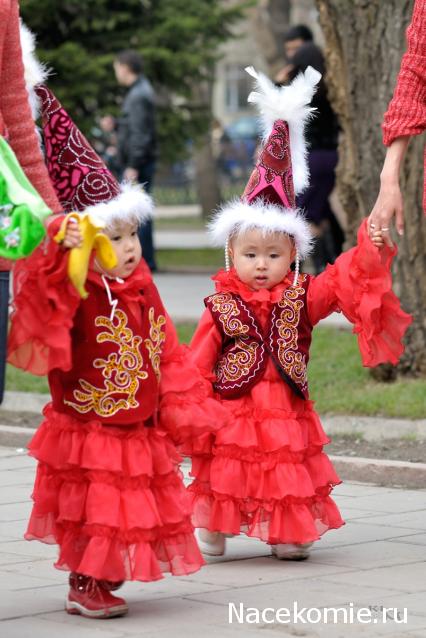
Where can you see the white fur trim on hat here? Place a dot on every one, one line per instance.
(132, 205)
(35, 72)
(291, 104)
(238, 217)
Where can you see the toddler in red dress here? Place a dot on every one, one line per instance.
(265, 473)
(108, 489)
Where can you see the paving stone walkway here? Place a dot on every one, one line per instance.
(377, 560)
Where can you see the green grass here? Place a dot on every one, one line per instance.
(175, 258)
(338, 382)
(185, 331)
(180, 223)
(25, 382)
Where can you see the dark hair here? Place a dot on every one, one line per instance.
(309, 54)
(299, 32)
(132, 59)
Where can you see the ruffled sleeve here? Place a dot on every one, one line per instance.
(45, 303)
(360, 285)
(187, 407)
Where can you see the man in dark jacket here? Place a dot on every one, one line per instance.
(136, 134)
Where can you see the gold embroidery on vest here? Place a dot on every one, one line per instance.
(157, 338)
(227, 307)
(122, 371)
(236, 365)
(293, 362)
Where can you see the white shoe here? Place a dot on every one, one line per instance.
(290, 551)
(210, 543)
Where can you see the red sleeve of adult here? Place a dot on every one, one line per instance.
(406, 114)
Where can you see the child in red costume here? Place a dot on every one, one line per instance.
(108, 489)
(265, 473)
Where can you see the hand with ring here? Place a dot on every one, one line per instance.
(389, 202)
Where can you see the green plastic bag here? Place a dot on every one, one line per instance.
(22, 210)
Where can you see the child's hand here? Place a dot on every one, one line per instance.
(377, 239)
(73, 237)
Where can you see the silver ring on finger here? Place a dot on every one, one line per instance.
(384, 230)
(372, 225)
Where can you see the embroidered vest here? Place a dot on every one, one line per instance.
(246, 346)
(116, 361)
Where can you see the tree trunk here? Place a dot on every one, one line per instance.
(365, 41)
(206, 172)
(269, 21)
(206, 177)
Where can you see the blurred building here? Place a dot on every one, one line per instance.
(253, 45)
(258, 43)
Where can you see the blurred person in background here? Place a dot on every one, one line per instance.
(136, 134)
(105, 142)
(322, 138)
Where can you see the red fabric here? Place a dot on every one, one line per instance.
(111, 496)
(113, 500)
(16, 122)
(44, 296)
(406, 114)
(360, 285)
(266, 473)
(104, 380)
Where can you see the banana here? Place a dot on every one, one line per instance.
(92, 239)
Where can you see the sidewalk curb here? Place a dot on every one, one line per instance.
(24, 402)
(381, 472)
(378, 471)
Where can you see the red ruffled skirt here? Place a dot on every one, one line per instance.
(265, 474)
(113, 500)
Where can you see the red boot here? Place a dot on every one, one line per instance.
(88, 598)
(111, 585)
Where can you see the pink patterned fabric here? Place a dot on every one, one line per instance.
(80, 177)
(272, 177)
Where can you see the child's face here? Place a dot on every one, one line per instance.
(127, 247)
(262, 261)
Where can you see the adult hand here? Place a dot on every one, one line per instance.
(388, 204)
(283, 74)
(389, 201)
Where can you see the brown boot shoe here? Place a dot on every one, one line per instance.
(88, 598)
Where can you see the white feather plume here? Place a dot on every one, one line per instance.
(289, 103)
(35, 72)
(131, 205)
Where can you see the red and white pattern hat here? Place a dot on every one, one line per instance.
(281, 171)
(81, 179)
